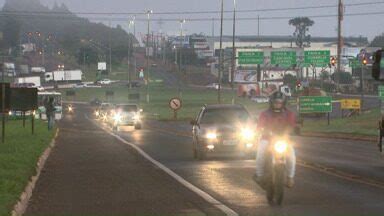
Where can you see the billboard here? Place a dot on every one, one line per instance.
(102, 66)
(23, 99)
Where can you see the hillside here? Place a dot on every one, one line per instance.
(57, 29)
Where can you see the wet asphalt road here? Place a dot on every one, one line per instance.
(334, 177)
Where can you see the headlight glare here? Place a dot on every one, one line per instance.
(281, 147)
(211, 135)
(247, 134)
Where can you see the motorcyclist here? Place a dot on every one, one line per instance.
(277, 119)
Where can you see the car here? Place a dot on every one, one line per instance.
(127, 115)
(224, 128)
(104, 82)
(212, 86)
(80, 85)
(154, 65)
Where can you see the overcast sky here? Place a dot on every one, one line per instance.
(353, 25)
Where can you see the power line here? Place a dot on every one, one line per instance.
(188, 12)
(81, 19)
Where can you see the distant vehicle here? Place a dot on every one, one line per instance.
(154, 65)
(36, 80)
(104, 82)
(37, 70)
(64, 76)
(80, 85)
(212, 86)
(223, 128)
(42, 98)
(127, 115)
(260, 89)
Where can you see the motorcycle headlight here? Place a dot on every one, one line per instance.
(247, 134)
(97, 113)
(211, 135)
(281, 147)
(70, 109)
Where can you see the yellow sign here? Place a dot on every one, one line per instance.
(350, 104)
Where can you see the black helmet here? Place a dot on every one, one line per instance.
(277, 97)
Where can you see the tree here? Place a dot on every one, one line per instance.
(302, 25)
(378, 41)
(344, 77)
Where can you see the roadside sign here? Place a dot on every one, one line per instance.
(283, 58)
(175, 104)
(23, 99)
(250, 58)
(350, 104)
(101, 66)
(315, 104)
(317, 58)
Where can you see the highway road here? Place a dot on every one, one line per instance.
(334, 177)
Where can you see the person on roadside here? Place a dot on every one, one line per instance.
(276, 120)
(50, 112)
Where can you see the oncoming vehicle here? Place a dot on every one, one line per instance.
(126, 115)
(42, 98)
(223, 128)
(104, 82)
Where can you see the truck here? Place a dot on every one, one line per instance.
(35, 80)
(252, 88)
(37, 70)
(64, 76)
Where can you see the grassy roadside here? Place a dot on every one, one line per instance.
(18, 158)
(365, 125)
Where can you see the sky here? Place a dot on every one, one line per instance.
(369, 26)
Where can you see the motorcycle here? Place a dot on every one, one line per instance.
(275, 170)
(70, 109)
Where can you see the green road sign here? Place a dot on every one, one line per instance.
(251, 58)
(283, 58)
(315, 104)
(354, 63)
(381, 92)
(319, 58)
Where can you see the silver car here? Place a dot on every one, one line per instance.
(127, 115)
(223, 128)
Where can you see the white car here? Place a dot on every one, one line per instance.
(212, 86)
(127, 115)
(105, 82)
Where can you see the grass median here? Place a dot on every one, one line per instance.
(18, 158)
(365, 124)
(158, 106)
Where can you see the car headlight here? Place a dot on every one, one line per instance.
(117, 117)
(247, 134)
(136, 117)
(281, 146)
(211, 136)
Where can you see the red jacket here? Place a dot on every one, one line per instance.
(283, 122)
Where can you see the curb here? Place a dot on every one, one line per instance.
(21, 206)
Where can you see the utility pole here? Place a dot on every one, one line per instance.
(221, 52)
(149, 12)
(131, 22)
(258, 25)
(339, 41)
(233, 46)
(110, 47)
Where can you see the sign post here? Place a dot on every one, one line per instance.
(250, 58)
(175, 104)
(283, 58)
(315, 104)
(317, 58)
(5, 105)
(381, 96)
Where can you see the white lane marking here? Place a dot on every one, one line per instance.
(228, 211)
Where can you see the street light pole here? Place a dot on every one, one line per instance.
(233, 45)
(180, 53)
(221, 52)
(149, 12)
(131, 22)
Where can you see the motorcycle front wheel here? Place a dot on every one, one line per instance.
(279, 183)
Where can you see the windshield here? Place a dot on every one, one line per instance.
(224, 116)
(127, 108)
